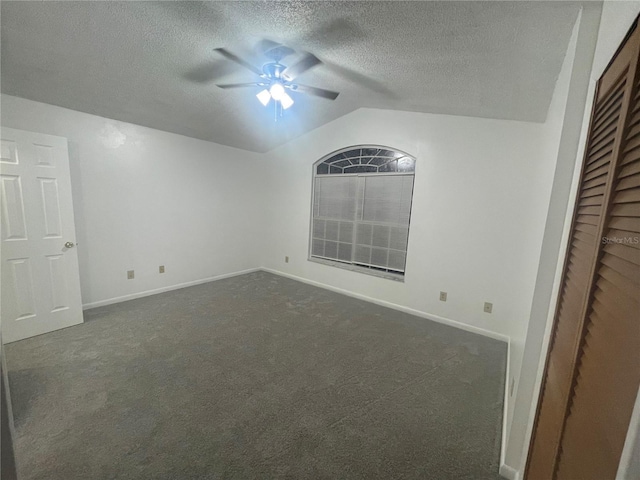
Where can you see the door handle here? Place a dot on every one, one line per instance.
(69, 244)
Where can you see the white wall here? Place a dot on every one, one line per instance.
(549, 153)
(477, 216)
(612, 24)
(144, 198)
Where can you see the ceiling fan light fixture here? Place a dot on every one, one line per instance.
(286, 100)
(264, 96)
(277, 91)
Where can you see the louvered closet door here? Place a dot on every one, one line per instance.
(593, 370)
(608, 373)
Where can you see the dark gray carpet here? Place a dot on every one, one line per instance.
(256, 377)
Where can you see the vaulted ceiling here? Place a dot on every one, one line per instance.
(153, 63)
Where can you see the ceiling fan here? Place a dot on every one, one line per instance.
(276, 78)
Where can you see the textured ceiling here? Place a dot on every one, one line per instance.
(153, 64)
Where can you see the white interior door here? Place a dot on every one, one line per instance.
(39, 271)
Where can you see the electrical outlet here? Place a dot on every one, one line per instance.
(286, 259)
(130, 274)
(161, 268)
(488, 307)
(443, 296)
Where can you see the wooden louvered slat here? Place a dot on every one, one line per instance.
(583, 237)
(572, 305)
(590, 210)
(577, 430)
(564, 335)
(629, 239)
(568, 309)
(630, 145)
(597, 172)
(596, 157)
(590, 192)
(590, 229)
(618, 308)
(624, 267)
(632, 149)
(635, 118)
(625, 209)
(630, 157)
(596, 200)
(569, 305)
(628, 182)
(607, 132)
(624, 252)
(609, 103)
(603, 368)
(601, 316)
(629, 224)
(609, 115)
(633, 143)
(621, 282)
(599, 163)
(608, 124)
(633, 132)
(588, 219)
(631, 152)
(576, 272)
(604, 144)
(632, 167)
(627, 196)
(611, 111)
(595, 182)
(579, 259)
(618, 305)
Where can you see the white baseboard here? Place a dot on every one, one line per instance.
(394, 306)
(505, 408)
(508, 472)
(155, 291)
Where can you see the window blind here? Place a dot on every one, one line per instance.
(334, 215)
(362, 219)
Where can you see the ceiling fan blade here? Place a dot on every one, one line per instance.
(334, 33)
(265, 45)
(360, 79)
(307, 62)
(318, 92)
(240, 85)
(274, 51)
(209, 71)
(234, 58)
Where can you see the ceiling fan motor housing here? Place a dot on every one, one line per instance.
(273, 70)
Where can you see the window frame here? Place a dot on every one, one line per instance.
(372, 270)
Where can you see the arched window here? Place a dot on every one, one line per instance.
(361, 209)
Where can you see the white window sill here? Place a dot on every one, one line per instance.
(356, 268)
